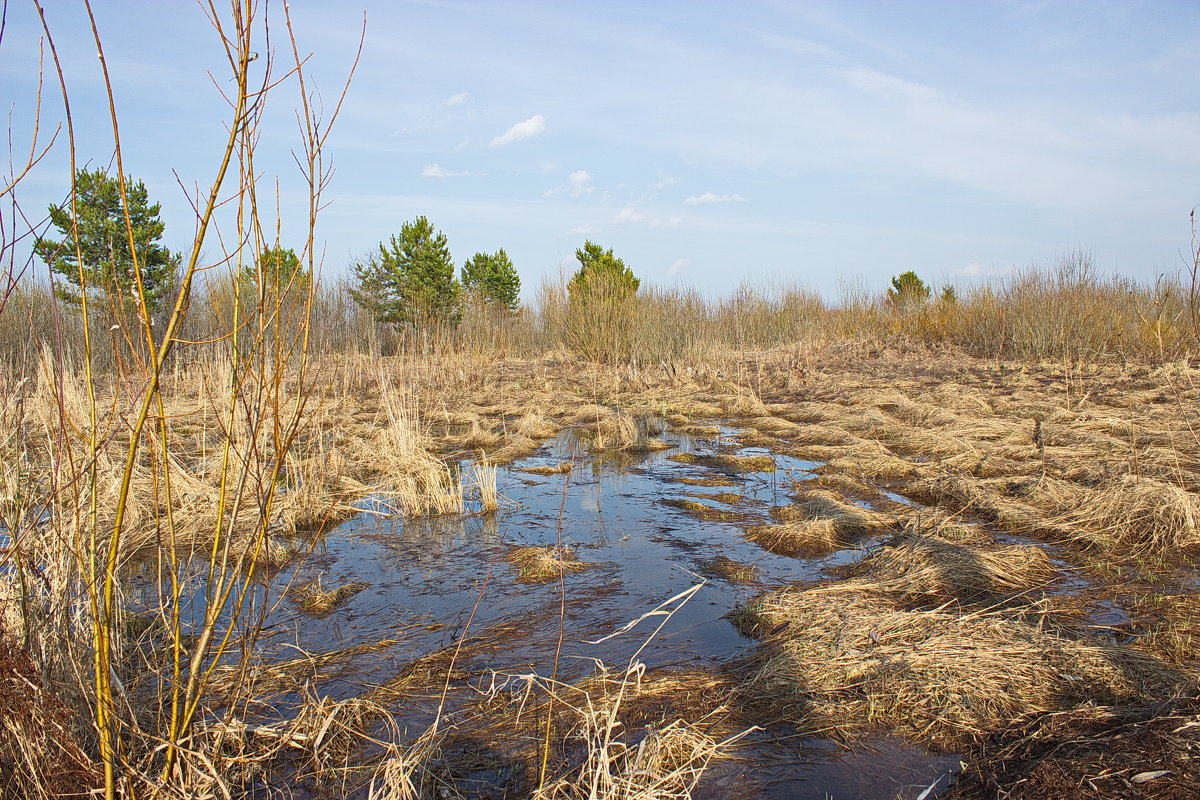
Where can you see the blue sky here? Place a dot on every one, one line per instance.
(708, 143)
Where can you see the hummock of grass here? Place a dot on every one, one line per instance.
(914, 565)
(1172, 625)
(316, 600)
(807, 538)
(541, 564)
(728, 462)
(719, 497)
(728, 569)
(857, 661)
(707, 481)
(1142, 517)
(533, 426)
(700, 510)
(552, 469)
(818, 522)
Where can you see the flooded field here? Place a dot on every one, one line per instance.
(643, 528)
(839, 586)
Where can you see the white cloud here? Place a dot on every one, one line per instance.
(709, 197)
(436, 171)
(581, 181)
(582, 230)
(678, 265)
(458, 99)
(633, 216)
(665, 181)
(534, 126)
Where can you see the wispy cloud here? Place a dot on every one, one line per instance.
(678, 266)
(630, 215)
(709, 197)
(534, 126)
(437, 171)
(581, 182)
(458, 99)
(582, 230)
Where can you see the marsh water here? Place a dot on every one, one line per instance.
(431, 582)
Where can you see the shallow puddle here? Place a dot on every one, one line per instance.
(432, 581)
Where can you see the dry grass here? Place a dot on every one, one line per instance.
(706, 481)
(728, 569)
(316, 600)
(857, 661)
(560, 468)
(728, 462)
(541, 564)
(1094, 753)
(1172, 625)
(1142, 517)
(701, 511)
(818, 522)
(913, 567)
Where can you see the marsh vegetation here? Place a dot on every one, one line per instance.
(623, 542)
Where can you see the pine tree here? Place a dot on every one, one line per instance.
(102, 256)
(494, 279)
(907, 291)
(281, 270)
(600, 271)
(411, 280)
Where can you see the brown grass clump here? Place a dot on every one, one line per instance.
(742, 405)
(849, 518)
(533, 426)
(1094, 753)
(821, 434)
(615, 432)
(728, 569)
(587, 414)
(541, 564)
(913, 566)
(707, 481)
(40, 751)
(873, 462)
(989, 499)
(728, 462)
(720, 497)
(700, 510)
(810, 538)
(554, 469)
(772, 425)
(628, 735)
(1142, 517)
(817, 523)
(946, 679)
(515, 446)
(315, 600)
(1172, 625)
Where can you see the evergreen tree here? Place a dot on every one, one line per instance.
(600, 271)
(411, 280)
(102, 253)
(601, 305)
(281, 270)
(907, 290)
(494, 278)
